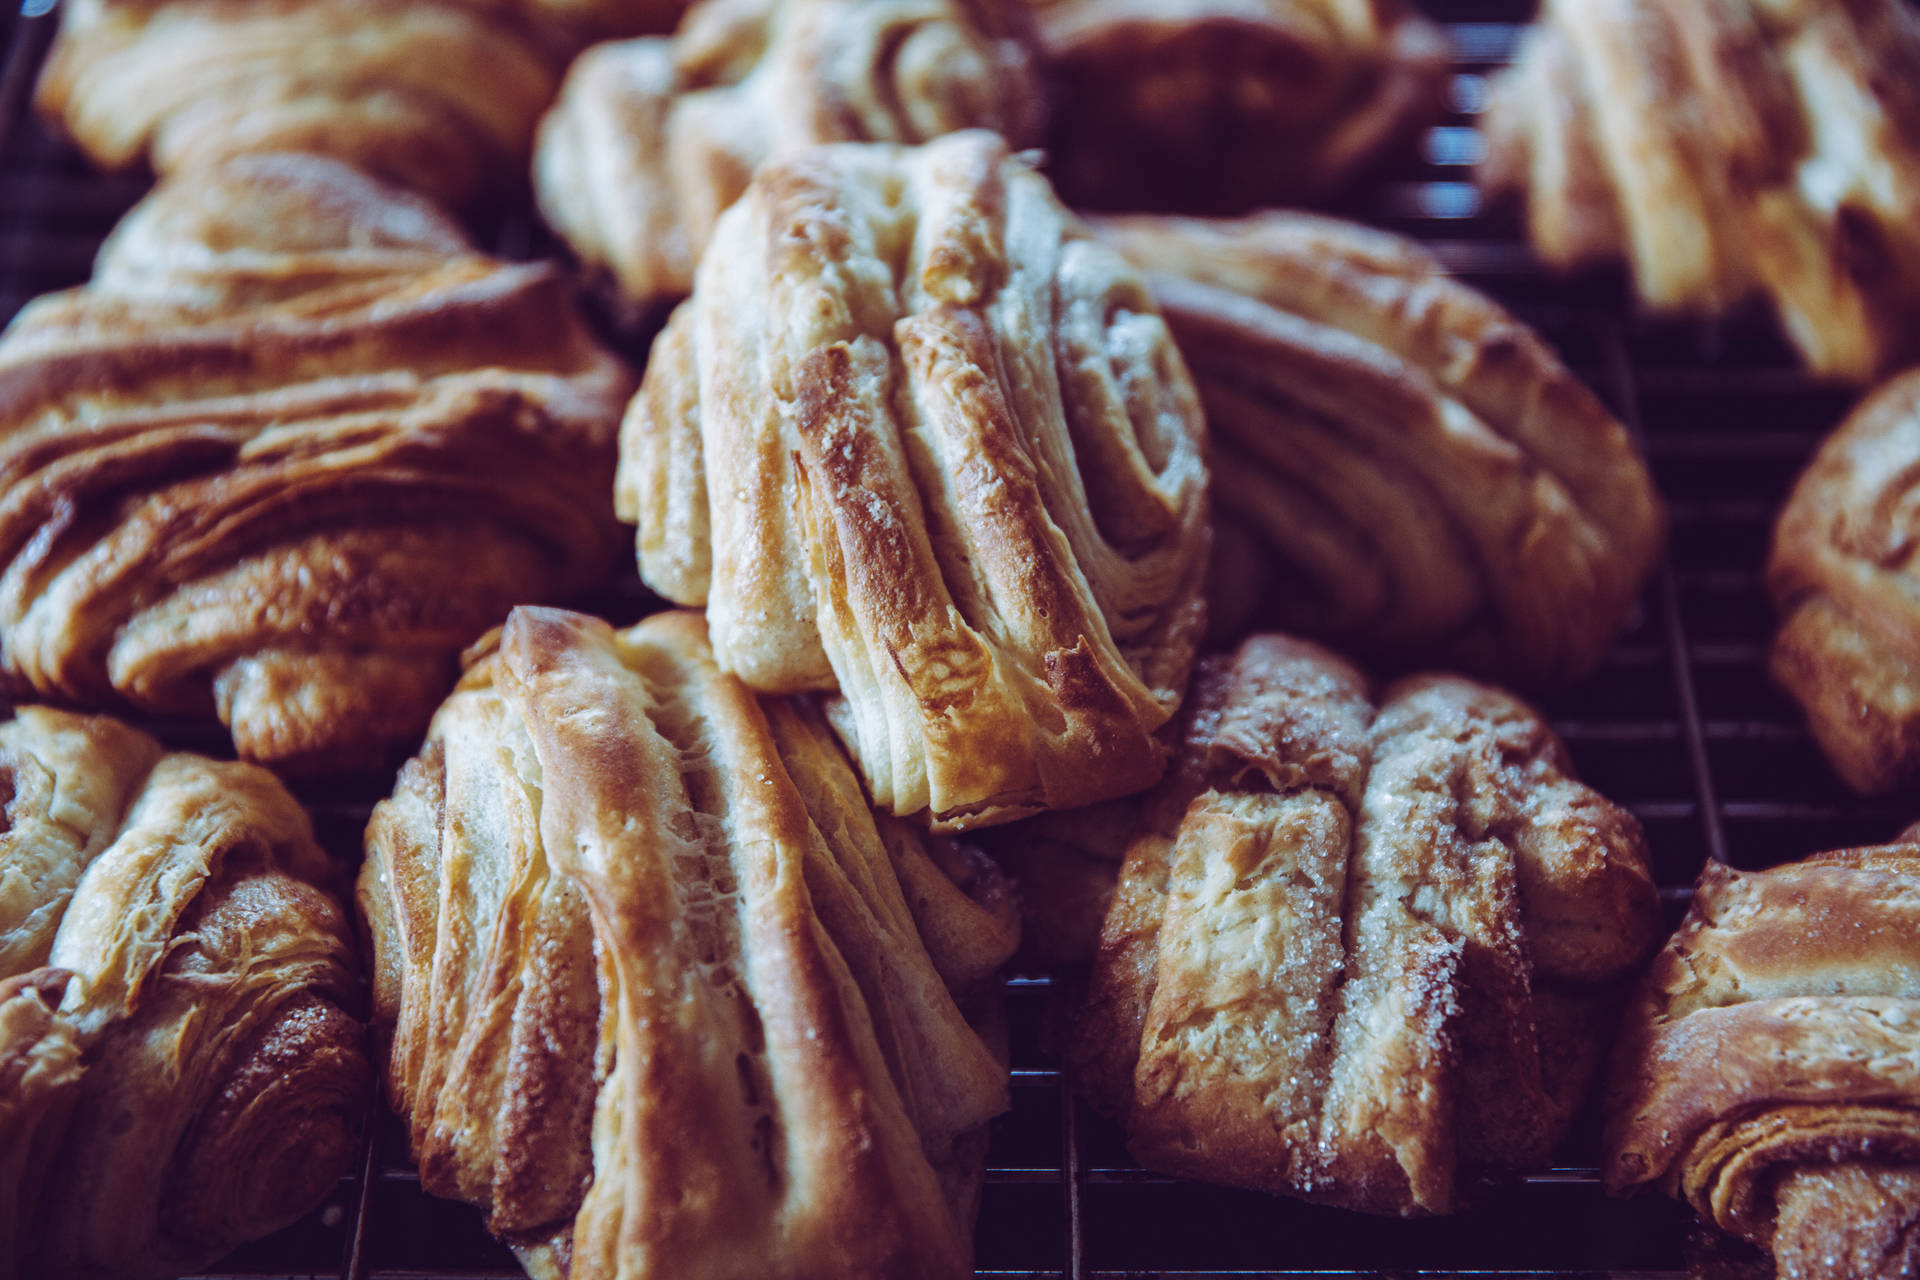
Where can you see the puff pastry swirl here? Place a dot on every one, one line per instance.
(1769, 1072)
(1358, 949)
(918, 440)
(654, 977)
(294, 446)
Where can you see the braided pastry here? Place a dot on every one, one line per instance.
(919, 440)
(652, 139)
(179, 1069)
(1727, 149)
(1217, 106)
(294, 446)
(1769, 1071)
(655, 980)
(1399, 466)
(1357, 951)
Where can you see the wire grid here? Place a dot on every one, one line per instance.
(1681, 726)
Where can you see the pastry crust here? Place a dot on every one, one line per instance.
(652, 139)
(1357, 951)
(951, 471)
(1769, 1071)
(654, 980)
(294, 446)
(1400, 467)
(1727, 149)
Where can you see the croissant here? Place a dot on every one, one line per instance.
(1400, 467)
(653, 976)
(1358, 948)
(181, 1070)
(1725, 150)
(916, 439)
(294, 446)
(1769, 1070)
(652, 139)
(1218, 106)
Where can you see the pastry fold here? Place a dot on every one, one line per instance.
(294, 446)
(1725, 150)
(1358, 949)
(1399, 466)
(652, 139)
(917, 440)
(661, 994)
(1769, 1071)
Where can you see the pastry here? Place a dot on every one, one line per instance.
(1359, 947)
(294, 446)
(652, 139)
(1399, 466)
(1769, 1070)
(919, 442)
(661, 995)
(181, 1069)
(1727, 150)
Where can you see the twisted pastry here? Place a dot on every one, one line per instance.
(1217, 106)
(1358, 950)
(1727, 149)
(184, 1074)
(918, 440)
(654, 979)
(294, 446)
(651, 140)
(1769, 1071)
(1400, 467)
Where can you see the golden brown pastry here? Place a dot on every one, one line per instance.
(653, 139)
(1769, 1071)
(294, 446)
(1359, 948)
(185, 1072)
(1219, 106)
(654, 975)
(1728, 149)
(918, 440)
(1399, 466)
(1843, 575)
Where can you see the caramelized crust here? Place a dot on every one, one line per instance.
(1357, 952)
(39, 1079)
(294, 446)
(652, 139)
(950, 463)
(1399, 466)
(1727, 149)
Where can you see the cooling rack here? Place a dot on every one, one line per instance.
(1681, 726)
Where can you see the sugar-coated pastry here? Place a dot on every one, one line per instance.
(662, 995)
(1399, 466)
(181, 1067)
(1768, 1073)
(920, 441)
(1361, 949)
(294, 447)
(651, 140)
(1729, 149)
(1218, 106)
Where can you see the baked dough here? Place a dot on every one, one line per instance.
(1358, 952)
(1399, 466)
(654, 980)
(294, 446)
(1728, 149)
(184, 1072)
(652, 139)
(1769, 1071)
(918, 440)
(1219, 106)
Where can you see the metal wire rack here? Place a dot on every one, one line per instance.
(1682, 726)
